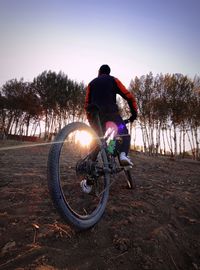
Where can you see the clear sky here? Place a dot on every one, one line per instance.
(76, 36)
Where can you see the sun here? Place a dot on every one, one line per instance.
(84, 138)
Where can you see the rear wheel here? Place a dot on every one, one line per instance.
(68, 165)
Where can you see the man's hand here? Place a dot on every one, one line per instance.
(133, 116)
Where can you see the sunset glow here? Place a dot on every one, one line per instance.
(84, 138)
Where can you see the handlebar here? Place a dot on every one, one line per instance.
(126, 121)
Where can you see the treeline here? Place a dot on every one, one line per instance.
(169, 112)
(44, 105)
(169, 109)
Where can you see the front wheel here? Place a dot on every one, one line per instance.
(68, 165)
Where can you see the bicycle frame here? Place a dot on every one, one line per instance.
(90, 167)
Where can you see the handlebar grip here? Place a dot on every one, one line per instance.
(126, 121)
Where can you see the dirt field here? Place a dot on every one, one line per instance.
(155, 226)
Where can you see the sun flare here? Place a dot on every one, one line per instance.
(84, 138)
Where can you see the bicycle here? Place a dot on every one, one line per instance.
(71, 159)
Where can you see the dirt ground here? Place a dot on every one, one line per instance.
(155, 226)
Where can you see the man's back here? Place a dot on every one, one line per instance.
(103, 90)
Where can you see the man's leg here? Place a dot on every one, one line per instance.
(123, 146)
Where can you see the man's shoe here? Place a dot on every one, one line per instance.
(85, 187)
(124, 160)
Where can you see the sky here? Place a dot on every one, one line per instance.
(76, 37)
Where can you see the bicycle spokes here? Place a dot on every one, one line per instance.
(76, 151)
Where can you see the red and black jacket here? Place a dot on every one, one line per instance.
(102, 92)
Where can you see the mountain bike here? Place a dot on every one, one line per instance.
(78, 153)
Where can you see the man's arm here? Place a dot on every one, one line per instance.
(87, 101)
(129, 97)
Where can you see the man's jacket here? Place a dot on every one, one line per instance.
(102, 92)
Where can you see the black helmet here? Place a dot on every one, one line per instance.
(104, 69)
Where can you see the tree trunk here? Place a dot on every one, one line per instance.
(184, 134)
(191, 145)
(164, 145)
(180, 143)
(175, 141)
(27, 126)
(197, 143)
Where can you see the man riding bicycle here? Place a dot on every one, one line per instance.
(102, 92)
